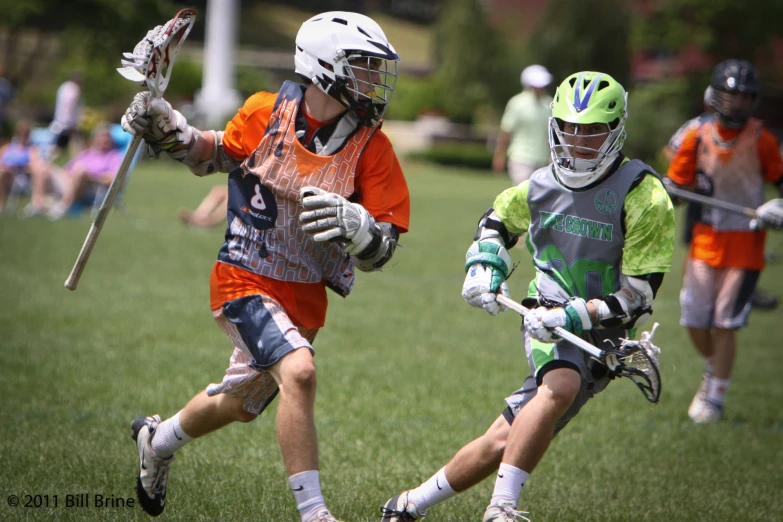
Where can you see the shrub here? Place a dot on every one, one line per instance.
(469, 155)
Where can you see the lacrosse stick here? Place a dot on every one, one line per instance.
(635, 360)
(712, 202)
(150, 66)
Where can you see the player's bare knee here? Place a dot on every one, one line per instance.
(300, 374)
(560, 387)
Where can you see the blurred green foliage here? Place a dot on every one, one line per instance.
(590, 35)
(472, 71)
(467, 155)
(414, 96)
(723, 28)
(655, 112)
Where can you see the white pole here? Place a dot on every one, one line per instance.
(218, 99)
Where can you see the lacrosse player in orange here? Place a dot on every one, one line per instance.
(734, 155)
(315, 192)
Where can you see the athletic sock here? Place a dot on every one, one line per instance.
(307, 492)
(707, 367)
(169, 437)
(716, 392)
(508, 484)
(432, 492)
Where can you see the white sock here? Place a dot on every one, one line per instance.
(307, 492)
(716, 392)
(509, 484)
(169, 437)
(708, 367)
(432, 492)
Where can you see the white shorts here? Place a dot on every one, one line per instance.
(519, 172)
(715, 297)
(262, 334)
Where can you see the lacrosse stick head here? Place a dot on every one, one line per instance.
(638, 361)
(152, 59)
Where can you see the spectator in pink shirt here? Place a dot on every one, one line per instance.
(88, 171)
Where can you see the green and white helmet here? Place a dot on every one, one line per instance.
(586, 98)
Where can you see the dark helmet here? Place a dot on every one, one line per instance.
(730, 79)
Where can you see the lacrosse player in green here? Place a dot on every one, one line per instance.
(600, 230)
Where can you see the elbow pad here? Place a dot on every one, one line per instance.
(629, 306)
(491, 227)
(218, 162)
(380, 249)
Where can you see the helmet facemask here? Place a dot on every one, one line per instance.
(366, 86)
(576, 162)
(734, 108)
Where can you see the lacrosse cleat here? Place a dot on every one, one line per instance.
(708, 412)
(504, 511)
(153, 471)
(400, 509)
(700, 398)
(323, 516)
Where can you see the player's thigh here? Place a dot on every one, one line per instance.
(732, 305)
(259, 326)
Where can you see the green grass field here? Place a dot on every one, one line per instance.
(408, 373)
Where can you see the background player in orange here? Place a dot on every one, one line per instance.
(315, 191)
(736, 155)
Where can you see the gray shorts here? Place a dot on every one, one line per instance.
(262, 334)
(543, 357)
(715, 297)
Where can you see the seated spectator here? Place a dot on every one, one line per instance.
(211, 211)
(20, 157)
(90, 170)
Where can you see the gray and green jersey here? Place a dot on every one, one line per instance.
(583, 241)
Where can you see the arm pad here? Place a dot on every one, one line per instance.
(490, 227)
(631, 304)
(380, 250)
(218, 162)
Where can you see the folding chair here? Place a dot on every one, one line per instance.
(122, 141)
(43, 139)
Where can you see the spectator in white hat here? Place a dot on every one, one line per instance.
(523, 137)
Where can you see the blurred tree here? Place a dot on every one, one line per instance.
(40, 35)
(583, 36)
(471, 70)
(722, 28)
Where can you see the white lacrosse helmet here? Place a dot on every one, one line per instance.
(333, 48)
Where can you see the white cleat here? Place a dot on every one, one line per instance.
(504, 512)
(323, 516)
(400, 509)
(708, 412)
(694, 409)
(153, 471)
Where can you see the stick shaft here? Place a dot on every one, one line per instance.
(712, 202)
(562, 332)
(106, 206)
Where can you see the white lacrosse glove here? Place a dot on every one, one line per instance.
(487, 265)
(331, 217)
(159, 124)
(771, 213)
(574, 317)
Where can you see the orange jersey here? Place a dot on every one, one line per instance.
(379, 184)
(726, 248)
